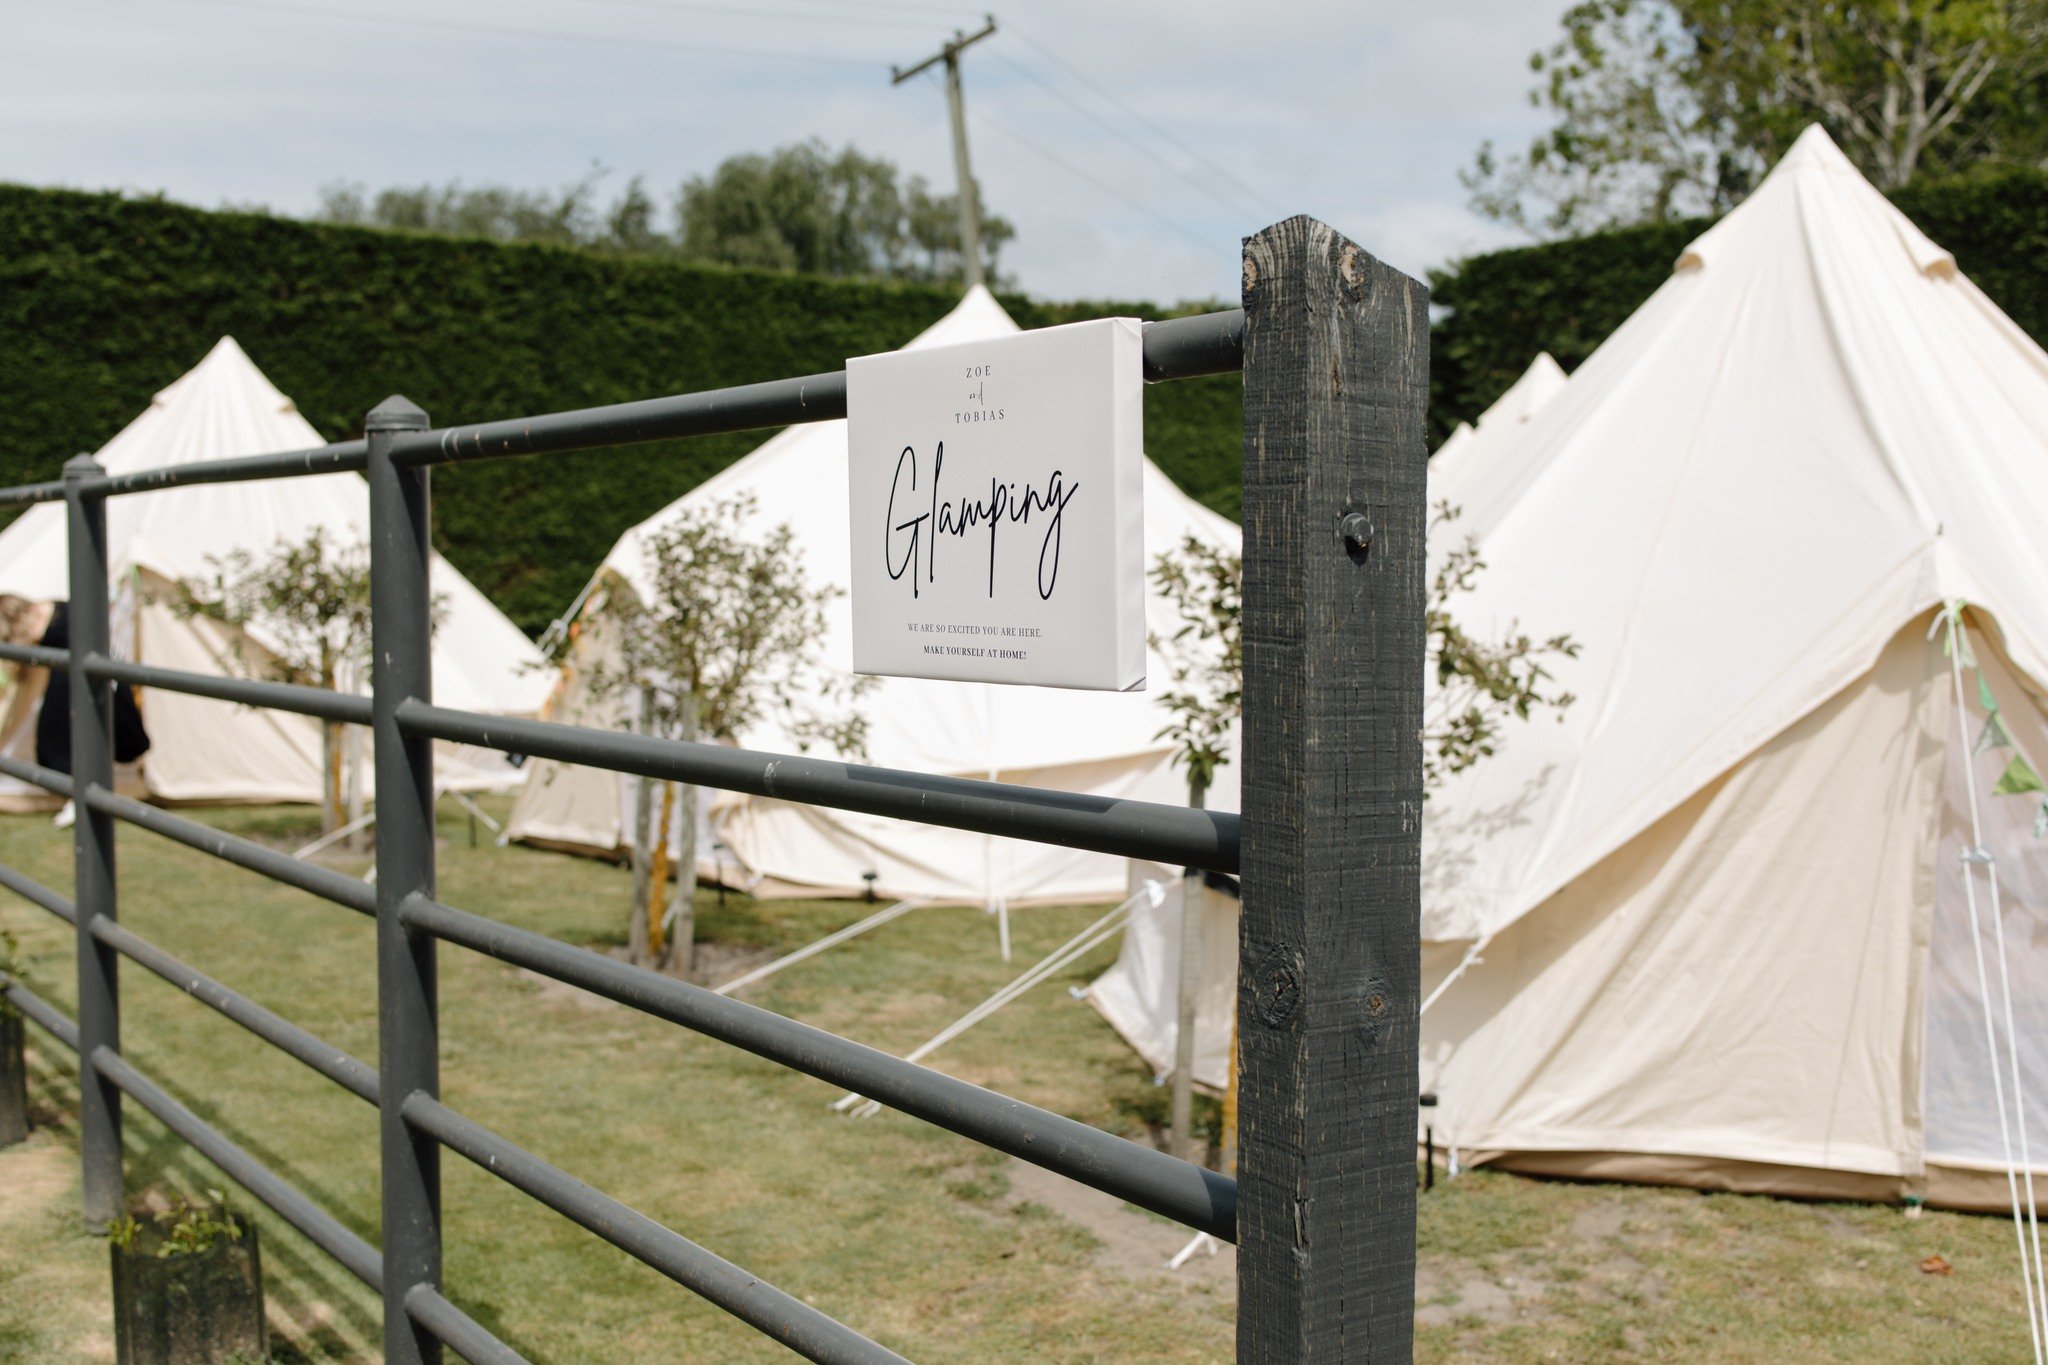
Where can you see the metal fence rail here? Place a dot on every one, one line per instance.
(1189, 1194)
(306, 701)
(49, 779)
(39, 1012)
(35, 893)
(1332, 346)
(747, 1297)
(320, 1227)
(1132, 829)
(281, 1033)
(323, 882)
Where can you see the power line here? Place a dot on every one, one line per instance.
(1198, 157)
(1111, 190)
(1117, 129)
(901, 7)
(547, 35)
(758, 12)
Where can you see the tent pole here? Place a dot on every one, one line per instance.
(643, 854)
(476, 812)
(1181, 1126)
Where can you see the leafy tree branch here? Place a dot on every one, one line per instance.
(1481, 685)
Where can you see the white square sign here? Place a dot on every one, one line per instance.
(998, 509)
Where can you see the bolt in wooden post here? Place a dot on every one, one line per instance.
(408, 1039)
(92, 845)
(1336, 371)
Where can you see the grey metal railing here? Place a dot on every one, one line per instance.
(1333, 349)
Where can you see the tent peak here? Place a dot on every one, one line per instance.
(1819, 185)
(225, 368)
(1814, 147)
(1530, 391)
(977, 317)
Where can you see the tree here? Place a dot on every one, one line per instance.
(299, 614)
(629, 224)
(800, 208)
(564, 217)
(1665, 109)
(728, 637)
(803, 208)
(1480, 686)
(932, 223)
(1205, 656)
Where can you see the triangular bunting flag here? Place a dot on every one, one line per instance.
(2019, 776)
(1994, 736)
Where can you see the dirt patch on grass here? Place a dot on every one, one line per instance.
(39, 1176)
(1446, 1294)
(1131, 1241)
(53, 1277)
(718, 963)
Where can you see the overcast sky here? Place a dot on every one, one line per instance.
(1358, 111)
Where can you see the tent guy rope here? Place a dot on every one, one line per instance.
(1058, 960)
(1950, 620)
(831, 940)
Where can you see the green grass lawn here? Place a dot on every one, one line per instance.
(902, 1231)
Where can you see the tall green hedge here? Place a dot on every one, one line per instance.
(104, 299)
(1497, 311)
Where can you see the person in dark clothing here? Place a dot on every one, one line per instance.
(53, 721)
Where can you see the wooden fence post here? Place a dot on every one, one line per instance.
(1336, 377)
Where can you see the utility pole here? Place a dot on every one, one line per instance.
(963, 176)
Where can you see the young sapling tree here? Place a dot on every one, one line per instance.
(1205, 661)
(727, 638)
(1479, 686)
(299, 613)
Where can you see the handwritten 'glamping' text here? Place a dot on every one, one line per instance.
(912, 546)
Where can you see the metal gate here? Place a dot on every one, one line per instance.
(1333, 347)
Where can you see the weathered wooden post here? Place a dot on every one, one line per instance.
(1336, 373)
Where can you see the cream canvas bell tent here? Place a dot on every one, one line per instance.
(1140, 993)
(1501, 424)
(1102, 743)
(1732, 921)
(1716, 926)
(204, 750)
